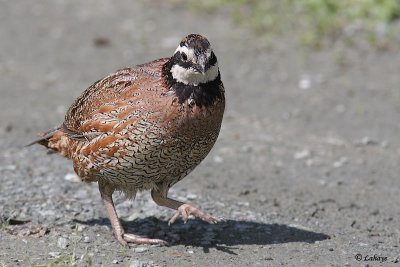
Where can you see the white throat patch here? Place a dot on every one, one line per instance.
(190, 76)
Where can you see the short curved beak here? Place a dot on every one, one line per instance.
(201, 65)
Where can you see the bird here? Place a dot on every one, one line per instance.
(144, 128)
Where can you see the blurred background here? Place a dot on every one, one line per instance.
(315, 23)
(309, 146)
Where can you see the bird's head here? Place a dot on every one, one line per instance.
(194, 62)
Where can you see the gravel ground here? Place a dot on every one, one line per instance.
(305, 170)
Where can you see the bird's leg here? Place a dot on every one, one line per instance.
(123, 238)
(184, 209)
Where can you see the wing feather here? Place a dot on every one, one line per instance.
(102, 106)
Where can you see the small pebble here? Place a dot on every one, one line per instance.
(101, 41)
(304, 82)
(366, 140)
(384, 144)
(302, 154)
(191, 196)
(243, 203)
(218, 159)
(62, 243)
(54, 254)
(80, 227)
(246, 148)
(137, 263)
(339, 163)
(140, 249)
(309, 162)
(8, 168)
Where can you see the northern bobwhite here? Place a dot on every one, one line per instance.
(145, 128)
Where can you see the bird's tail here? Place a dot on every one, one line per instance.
(45, 137)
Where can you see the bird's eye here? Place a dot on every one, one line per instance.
(184, 56)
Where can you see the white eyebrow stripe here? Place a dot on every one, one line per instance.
(189, 52)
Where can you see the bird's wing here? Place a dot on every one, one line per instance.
(101, 106)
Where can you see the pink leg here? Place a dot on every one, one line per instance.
(118, 230)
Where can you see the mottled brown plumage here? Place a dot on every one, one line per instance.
(145, 128)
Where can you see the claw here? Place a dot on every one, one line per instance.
(126, 238)
(186, 209)
(138, 239)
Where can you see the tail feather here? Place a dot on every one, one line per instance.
(45, 137)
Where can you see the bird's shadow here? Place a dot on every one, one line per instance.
(223, 236)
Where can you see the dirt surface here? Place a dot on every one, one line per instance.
(306, 169)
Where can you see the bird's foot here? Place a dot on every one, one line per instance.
(126, 238)
(186, 209)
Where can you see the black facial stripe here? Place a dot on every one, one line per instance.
(184, 56)
(177, 55)
(177, 60)
(212, 60)
(186, 64)
(180, 56)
